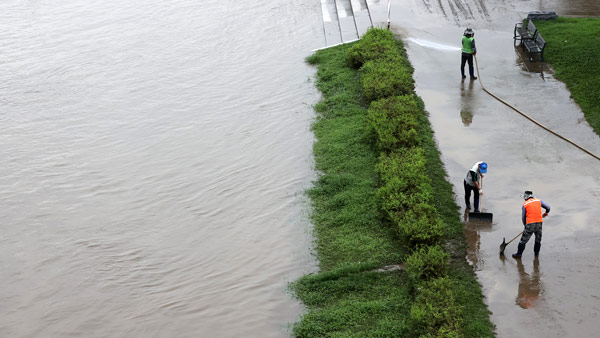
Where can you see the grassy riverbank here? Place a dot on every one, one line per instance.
(382, 199)
(573, 49)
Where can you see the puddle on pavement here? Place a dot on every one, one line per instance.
(557, 294)
(472, 230)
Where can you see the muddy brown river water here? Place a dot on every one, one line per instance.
(153, 159)
(559, 294)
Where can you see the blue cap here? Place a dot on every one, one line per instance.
(483, 167)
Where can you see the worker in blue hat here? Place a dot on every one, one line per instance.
(472, 183)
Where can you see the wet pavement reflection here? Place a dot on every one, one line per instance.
(530, 286)
(530, 289)
(472, 231)
(466, 110)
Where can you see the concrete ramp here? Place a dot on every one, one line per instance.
(344, 20)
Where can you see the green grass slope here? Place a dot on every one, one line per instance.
(373, 206)
(573, 50)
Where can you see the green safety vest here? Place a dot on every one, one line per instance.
(467, 44)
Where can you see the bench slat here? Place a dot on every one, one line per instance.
(536, 46)
(528, 32)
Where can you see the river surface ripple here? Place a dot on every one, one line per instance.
(153, 158)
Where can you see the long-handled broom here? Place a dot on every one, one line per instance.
(504, 244)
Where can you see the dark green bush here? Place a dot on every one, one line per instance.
(384, 78)
(404, 182)
(427, 262)
(421, 224)
(435, 312)
(376, 43)
(395, 122)
(398, 195)
(407, 163)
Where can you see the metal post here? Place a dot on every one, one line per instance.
(389, 10)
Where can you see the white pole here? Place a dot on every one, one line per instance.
(389, 10)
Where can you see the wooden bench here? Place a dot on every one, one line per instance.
(523, 33)
(535, 47)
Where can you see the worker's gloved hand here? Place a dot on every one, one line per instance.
(545, 214)
(474, 53)
(481, 192)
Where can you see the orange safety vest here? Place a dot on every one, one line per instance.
(533, 209)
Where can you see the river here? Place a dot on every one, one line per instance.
(153, 162)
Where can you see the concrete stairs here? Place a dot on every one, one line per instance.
(345, 20)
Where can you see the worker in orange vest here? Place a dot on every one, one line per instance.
(532, 218)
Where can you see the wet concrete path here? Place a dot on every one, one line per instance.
(558, 295)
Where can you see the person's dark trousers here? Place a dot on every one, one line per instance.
(475, 191)
(520, 249)
(466, 57)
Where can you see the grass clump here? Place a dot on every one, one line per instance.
(348, 227)
(395, 122)
(352, 301)
(435, 312)
(573, 46)
(376, 203)
(421, 225)
(384, 78)
(403, 181)
(375, 44)
(427, 262)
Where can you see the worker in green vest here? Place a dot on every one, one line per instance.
(468, 50)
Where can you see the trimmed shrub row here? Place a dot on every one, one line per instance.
(375, 44)
(394, 113)
(405, 192)
(384, 78)
(395, 122)
(405, 196)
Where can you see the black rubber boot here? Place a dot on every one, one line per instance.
(520, 249)
(536, 248)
